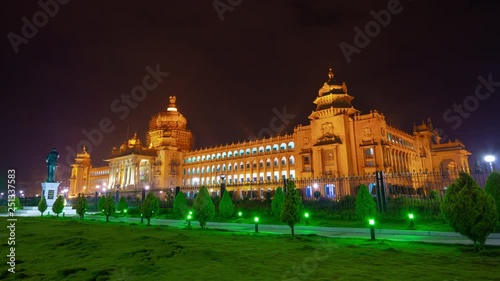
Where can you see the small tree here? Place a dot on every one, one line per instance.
(81, 205)
(204, 207)
(58, 206)
(317, 195)
(180, 205)
(42, 206)
(365, 205)
(292, 207)
(100, 203)
(469, 210)
(150, 207)
(108, 208)
(492, 187)
(17, 202)
(122, 205)
(226, 206)
(278, 200)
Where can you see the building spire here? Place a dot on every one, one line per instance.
(330, 72)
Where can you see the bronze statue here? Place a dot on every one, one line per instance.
(52, 165)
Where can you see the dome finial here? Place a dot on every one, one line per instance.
(330, 72)
(171, 106)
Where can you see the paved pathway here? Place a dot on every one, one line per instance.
(390, 234)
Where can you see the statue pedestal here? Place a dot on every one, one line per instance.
(49, 190)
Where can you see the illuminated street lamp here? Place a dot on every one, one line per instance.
(490, 159)
(412, 222)
(21, 193)
(239, 213)
(372, 228)
(256, 220)
(222, 184)
(306, 215)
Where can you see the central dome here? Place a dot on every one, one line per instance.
(171, 119)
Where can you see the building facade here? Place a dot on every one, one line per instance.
(338, 142)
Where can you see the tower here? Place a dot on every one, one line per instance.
(332, 130)
(80, 173)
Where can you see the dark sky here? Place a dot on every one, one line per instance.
(229, 75)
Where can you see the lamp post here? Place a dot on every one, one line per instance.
(256, 220)
(412, 222)
(372, 229)
(306, 215)
(189, 217)
(222, 184)
(490, 159)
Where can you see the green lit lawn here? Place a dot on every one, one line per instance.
(67, 249)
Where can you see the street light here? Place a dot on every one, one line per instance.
(412, 222)
(490, 159)
(306, 215)
(256, 220)
(222, 184)
(372, 228)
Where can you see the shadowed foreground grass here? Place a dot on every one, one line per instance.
(68, 249)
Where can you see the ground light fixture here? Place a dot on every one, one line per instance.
(189, 217)
(412, 221)
(372, 228)
(306, 215)
(240, 214)
(256, 220)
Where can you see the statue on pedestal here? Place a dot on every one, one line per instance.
(52, 165)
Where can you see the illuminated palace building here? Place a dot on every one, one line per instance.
(339, 142)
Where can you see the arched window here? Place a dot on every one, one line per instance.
(189, 160)
(247, 152)
(213, 156)
(203, 158)
(202, 170)
(236, 166)
(218, 155)
(242, 166)
(268, 148)
(242, 152)
(275, 147)
(229, 167)
(261, 163)
(254, 164)
(248, 165)
(198, 170)
(198, 159)
(268, 162)
(235, 153)
(291, 160)
(291, 145)
(223, 155)
(254, 150)
(283, 146)
(283, 161)
(229, 154)
(275, 162)
(261, 149)
(189, 171)
(208, 157)
(218, 168)
(224, 167)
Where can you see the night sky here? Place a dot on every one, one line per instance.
(229, 75)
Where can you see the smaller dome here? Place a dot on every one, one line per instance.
(171, 119)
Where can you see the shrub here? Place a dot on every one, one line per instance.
(180, 205)
(278, 200)
(100, 203)
(150, 207)
(108, 208)
(81, 205)
(365, 205)
(58, 206)
(292, 207)
(434, 195)
(492, 187)
(204, 207)
(122, 205)
(226, 206)
(469, 210)
(42, 205)
(18, 204)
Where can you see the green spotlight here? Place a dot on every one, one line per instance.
(412, 222)
(240, 214)
(306, 215)
(256, 219)
(372, 222)
(372, 228)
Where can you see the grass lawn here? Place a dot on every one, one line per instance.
(69, 249)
